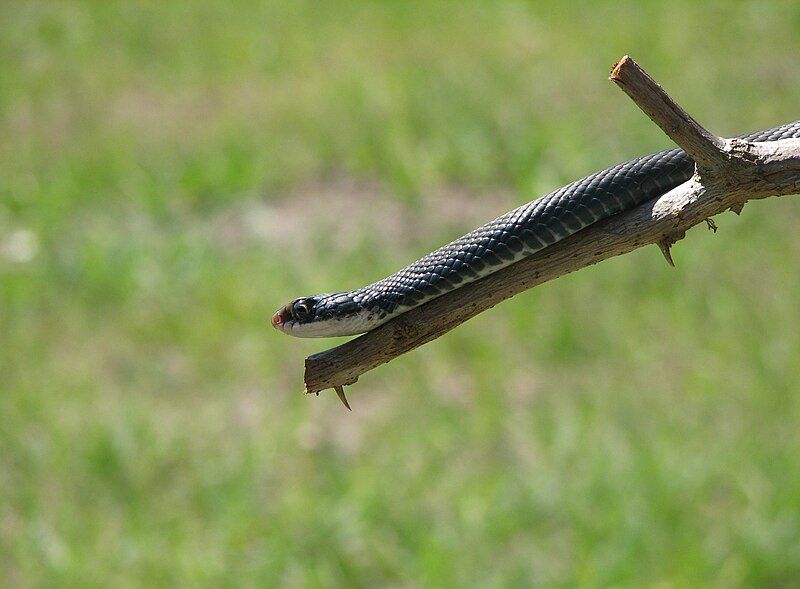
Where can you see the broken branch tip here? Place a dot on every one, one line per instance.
(615, 69)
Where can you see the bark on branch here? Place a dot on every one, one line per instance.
(729, 173)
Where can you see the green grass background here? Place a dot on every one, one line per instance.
(172, 172)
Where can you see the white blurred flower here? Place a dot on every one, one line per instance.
(20, 246)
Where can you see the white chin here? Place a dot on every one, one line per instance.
(353, 325)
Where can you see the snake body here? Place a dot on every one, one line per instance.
(503, 241)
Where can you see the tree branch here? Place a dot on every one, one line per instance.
(731, 172)
(702, 146)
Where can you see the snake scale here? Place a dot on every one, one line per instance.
(503, 241)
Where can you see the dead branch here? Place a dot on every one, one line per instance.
(730, 172)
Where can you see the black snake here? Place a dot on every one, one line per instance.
(509, 238)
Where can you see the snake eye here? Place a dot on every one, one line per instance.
(301, 309)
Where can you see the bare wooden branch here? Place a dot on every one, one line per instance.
(702, 146)
(759, 170)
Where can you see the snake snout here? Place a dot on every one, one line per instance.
(281, 316)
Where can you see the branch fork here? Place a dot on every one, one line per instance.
(728, 173)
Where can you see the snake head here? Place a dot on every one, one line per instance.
(325, 315)
(297, 312)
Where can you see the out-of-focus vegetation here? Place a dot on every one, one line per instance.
(172, 172)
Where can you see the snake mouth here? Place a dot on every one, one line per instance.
(282, 319)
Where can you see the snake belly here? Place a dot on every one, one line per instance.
(509, 238)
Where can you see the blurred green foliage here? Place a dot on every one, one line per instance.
(172, 172)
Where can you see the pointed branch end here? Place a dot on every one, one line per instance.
(340, 392)
(665, 244)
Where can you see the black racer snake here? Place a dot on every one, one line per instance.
(509, 238)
